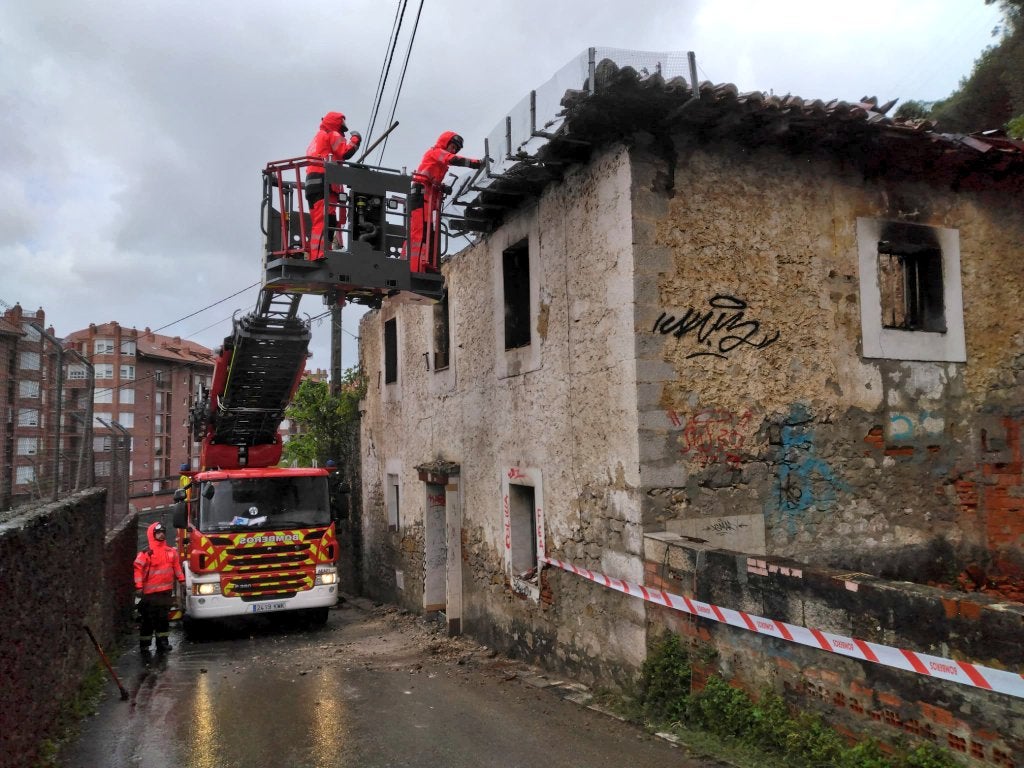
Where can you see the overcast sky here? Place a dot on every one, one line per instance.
(133, 133)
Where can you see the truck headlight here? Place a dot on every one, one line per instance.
(326, 575)
(206, 588)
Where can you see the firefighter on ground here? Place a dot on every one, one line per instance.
(328, 143)
(157, 572)
(425, 200)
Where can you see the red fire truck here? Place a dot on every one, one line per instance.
(254, 537)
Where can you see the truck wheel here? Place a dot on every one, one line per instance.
(193, 628)
(317, 617)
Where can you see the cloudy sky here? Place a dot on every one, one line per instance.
(132, 134)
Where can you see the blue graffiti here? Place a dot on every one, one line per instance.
(805, 481)
(906, 429)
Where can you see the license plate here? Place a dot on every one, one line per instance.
(264, 607)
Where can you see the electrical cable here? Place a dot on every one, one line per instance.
(386, 68)
(181, 319)
(209, 306)
(401, 80)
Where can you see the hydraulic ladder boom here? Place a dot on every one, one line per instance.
(256, 374)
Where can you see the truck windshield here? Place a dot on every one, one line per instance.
(264, 503)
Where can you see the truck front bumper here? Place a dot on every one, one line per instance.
(218, 606)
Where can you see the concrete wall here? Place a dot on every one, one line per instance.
(860, 698)
(789, 440)
(558, 414)
(59, 569)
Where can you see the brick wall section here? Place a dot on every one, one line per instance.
(860, 698)
(58, 571)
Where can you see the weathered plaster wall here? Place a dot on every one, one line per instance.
(858, 697)
(768, 432)
(567, 417)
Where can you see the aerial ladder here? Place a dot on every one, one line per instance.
(255, 537)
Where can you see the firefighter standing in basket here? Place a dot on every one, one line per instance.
(157, 571)
(425, 200)
(328, 143)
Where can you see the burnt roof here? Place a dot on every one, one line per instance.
(625, 102)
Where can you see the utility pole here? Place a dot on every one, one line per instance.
(335, 386)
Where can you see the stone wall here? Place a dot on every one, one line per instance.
(764, 426)
(559, 412)
(59, 569)
(858, 697)
(697, 367)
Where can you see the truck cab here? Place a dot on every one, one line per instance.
(257, 541)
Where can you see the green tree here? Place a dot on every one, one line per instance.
(914, 110)
(329, 423)
(993, 95)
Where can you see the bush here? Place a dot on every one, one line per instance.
(865, 754)
(724, 710)
(665, 680)
(802, 741)
(771, 722)
(927, 756)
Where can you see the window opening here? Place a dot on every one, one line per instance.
(391, 351)
(523, 517)
(442, 331)
(910, 280)
(393, 514)
(515, 270)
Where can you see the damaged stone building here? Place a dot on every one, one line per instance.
(752, 350)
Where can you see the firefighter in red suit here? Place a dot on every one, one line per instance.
(157, 570)
(426, 197)
(329, 142)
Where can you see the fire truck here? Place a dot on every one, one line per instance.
(256, 538)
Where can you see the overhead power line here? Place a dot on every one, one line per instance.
(401, 80)
(208, 306)
(386, 67)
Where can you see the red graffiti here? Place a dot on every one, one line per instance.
(508, 523)
(515, 474)
(674, 418)
(435, 501)
(715, 436)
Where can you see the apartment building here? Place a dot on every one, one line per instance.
(29, 430)
(145, 385)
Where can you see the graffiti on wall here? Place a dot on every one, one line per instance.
(715, 435)
(805, 481)
(506, 514)
(909, 426)
(720, 329)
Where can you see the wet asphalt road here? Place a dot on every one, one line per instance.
(373, 688)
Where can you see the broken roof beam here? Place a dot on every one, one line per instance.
(547, 134)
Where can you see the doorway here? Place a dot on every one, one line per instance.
(436, 550)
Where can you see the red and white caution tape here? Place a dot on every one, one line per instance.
(963, 672)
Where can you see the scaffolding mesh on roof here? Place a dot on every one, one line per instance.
(519, 136)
